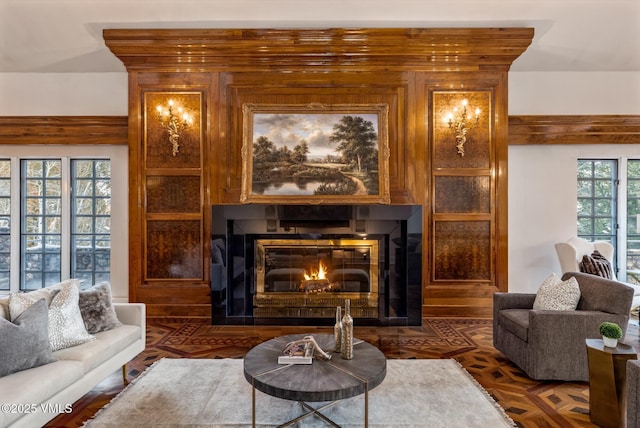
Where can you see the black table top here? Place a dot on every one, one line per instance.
(322, 380)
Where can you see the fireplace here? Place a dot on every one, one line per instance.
(294, 264)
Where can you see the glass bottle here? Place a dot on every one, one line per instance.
(337, 330)
(347, 331)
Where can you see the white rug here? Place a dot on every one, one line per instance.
(214, 393)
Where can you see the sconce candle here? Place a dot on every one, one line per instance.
(171, 121)
(461, 123)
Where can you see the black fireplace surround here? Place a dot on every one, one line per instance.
(249, 243)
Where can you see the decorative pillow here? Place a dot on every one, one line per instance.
(18, 302)
(4, 308)
(97, 309)
(557, 295)
(596, 264)
(66, 327)
(25, 342)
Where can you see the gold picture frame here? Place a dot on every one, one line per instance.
(315, 153)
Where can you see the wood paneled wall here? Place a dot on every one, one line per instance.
(440, 300)
(420, 74)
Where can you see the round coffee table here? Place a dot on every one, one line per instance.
(323, 380)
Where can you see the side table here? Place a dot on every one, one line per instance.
(607, 379)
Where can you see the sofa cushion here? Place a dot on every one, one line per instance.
(557, 295)
(516, 321)
(106, 345)
(66, 327)
(25, 342)
(596, 264)
(37, 385)
(97, 309)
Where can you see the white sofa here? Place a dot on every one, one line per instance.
(30, 398)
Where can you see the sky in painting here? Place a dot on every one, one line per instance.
(315, 128)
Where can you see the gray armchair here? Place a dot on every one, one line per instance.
(550, 345)
(633, 394)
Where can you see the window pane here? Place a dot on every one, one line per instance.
(585, 188)
(603, 207)
(84, 187)
(585, 207)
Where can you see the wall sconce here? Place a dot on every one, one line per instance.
(460, 123)
(173, 123)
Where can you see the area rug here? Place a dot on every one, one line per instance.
(214, 393)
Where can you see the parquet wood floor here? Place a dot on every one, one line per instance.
(529, 403)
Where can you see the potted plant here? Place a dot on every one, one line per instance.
(610, 332)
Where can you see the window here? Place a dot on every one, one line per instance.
(64, 221)
(5, 223)
(605, 187)
(597, 199)
(633, 221)
(91, 217)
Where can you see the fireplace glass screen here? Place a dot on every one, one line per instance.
(315, 276)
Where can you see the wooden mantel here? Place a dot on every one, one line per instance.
(424, 49)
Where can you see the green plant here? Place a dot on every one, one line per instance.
(611, 330)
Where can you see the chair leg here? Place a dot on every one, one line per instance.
(124, 374)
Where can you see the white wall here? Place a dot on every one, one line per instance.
(542, 183)
(63, 94)
(542, 179)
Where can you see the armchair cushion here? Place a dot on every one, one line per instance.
(557, 295)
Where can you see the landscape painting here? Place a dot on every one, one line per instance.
(315, 153)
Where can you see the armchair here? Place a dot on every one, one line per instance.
(550, 345)
(570, 253)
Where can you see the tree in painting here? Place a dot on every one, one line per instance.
(357, 141)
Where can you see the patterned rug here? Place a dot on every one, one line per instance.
(214, 393)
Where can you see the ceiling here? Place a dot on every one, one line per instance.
(60, 36)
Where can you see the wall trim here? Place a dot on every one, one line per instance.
(93, 130)
(583, 129)
(523, 130)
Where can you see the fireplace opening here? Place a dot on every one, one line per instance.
(295, 264)
(309, 277)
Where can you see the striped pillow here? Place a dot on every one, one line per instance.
(596, 264)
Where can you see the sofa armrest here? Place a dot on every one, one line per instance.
(502, 300)
(131, 313)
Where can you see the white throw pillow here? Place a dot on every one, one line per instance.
(18, 302)
(66, 327)
(557, 295)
